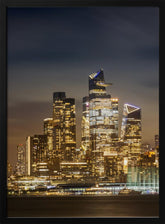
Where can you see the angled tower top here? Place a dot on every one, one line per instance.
(131, 108)
(99, 75)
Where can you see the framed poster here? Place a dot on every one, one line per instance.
(80, 111)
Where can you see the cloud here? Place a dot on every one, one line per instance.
(80, 34)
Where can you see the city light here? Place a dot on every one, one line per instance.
(105, 163)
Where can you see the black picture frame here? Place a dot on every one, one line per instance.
(3, 104)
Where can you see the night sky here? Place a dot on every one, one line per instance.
(55, 49)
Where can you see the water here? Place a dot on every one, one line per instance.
(112, 206)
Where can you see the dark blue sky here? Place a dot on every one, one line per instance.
(55, 49)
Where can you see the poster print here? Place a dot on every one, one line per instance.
(83, 111)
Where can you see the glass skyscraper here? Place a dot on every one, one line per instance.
(131, 130)
(36, 153)
(115, 119)
(48, 130)
(20, 166)
(64, 126)
(102, 129)
(85, 125)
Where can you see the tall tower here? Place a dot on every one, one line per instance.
(64, 126)
(48, 130)
(59, 124)
(20, 166)
(100, 120)
(36, 152)
(70, 130)
(131, 130)
(28, 157)
(85, 125)
(115, 119)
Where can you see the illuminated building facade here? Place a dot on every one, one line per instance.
(20, 165)
(36, 152)
(131, 130)
(48, 130)
(113, 167)
(59, 123)
(85, 125)
(115, 119)
(70, 129)
(42, 169)
(148, 159)
(102, 129)
(74, 169)
(64, 126)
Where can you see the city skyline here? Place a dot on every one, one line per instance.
(103, 155)
(30, 96)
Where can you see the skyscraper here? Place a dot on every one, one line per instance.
(20, 165)
(85, 125)
(70, 130)
(48, 130)
(28, 157)
(131, 130)
(64, 126)
(59, 123)
(115, 119)
(100, 120)
(36, 152)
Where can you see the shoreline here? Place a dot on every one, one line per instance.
(145, 197)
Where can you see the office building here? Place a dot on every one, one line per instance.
(74, 169)
(114, 169)
(48, 130)
(36, 152)
(131, 131)
(115, 119)
(102, 130)
(64, 126)
(148, 159)
(20, 165)
(42, 169)
(85, 125)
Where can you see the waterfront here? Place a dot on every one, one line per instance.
(84, 206)
(144, 180)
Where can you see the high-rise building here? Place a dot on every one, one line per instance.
(20, 165)
(102, 129)
(115, 119)
(28, 157)
(113, 167)
(131, 130)
(48, 130)
(64, 126)
(36, 152)
(85, 125)
(70, 130)
(59, 124)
